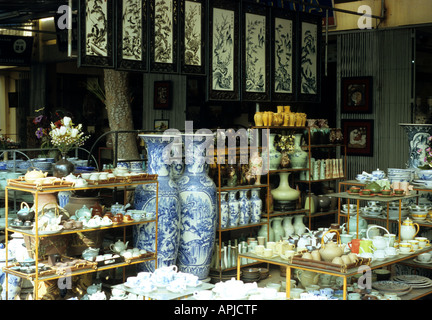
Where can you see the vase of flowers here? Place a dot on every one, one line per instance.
(65, 137)
(285, 145)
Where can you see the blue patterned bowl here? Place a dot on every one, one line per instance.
(424, 174)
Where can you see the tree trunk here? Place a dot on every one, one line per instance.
(120, 113)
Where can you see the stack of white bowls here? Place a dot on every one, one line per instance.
(400, 175)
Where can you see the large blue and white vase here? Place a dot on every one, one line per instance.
(245, 207)
(197, 193)
(224, 210)
(168, 236)
(177, 165)
(417, 139)
(256, 205)
(233, 209)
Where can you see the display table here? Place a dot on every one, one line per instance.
(164, 294)
(345, 275)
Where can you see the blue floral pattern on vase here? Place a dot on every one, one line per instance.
(245, 208)
(417, 137)
(197, 193)
(233, 209)
(144, 235)
(224, 214)
(256, 206)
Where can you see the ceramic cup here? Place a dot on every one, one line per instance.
(391, 296)
(268, 252)
(345, 237)
(288, 254)
(273, 285)
(311, 288)
(425, 257)
(422, 242)
(355, 190)
(259, 250)
(386, 192)
(414, 244)
(398, 191)
(366, 191)
(271, 245)
(261, 240)
(391, 251)
(326, 292)
(295, 293)
(405, 247)
(391, 237)
(354, 296)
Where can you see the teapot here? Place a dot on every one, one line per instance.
(84, 212)
(307, 278)
(119, 246)
(25, 213)
(331, 249)
(90, 253)
(32, 176)
(379, 242)
(378, 174)
(374, 187)
(116, 208)
(408, 229)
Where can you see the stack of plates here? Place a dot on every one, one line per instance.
(264, 273)
(389, 286)
(216, 276)
(415, 281)
(250, 275)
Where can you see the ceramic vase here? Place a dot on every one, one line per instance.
(63, 198)
(245, 207)
(256, 205)
(311, 202)
(278, 230)
(168, 205)
(266, 231)
(275, 156)
(233, 209)
(224, 210)
(284, 192)
(298, 156)
(288, 226)
(177, 166)
(417, 137)
(299, 227)
(197, 193)
(63, 167)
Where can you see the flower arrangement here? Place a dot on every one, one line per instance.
(43, 128)
(428, 154)
(7, 143)
(65, 136)
(284, 143)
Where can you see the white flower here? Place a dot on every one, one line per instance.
(62, 131)
(74, 132)
(67, 121)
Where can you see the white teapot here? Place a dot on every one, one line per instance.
(119, 246)
(408, 229)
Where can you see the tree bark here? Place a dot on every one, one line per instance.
(120, 113)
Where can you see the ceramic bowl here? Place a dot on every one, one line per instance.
(424, 174)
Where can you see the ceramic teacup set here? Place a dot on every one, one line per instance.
(272, 249)
(166, 277)
(410, 246)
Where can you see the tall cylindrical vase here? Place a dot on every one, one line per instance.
(144, 235)
(256, 205)
(245, 208)
(233, 209)
(197, 193)
(224, 213)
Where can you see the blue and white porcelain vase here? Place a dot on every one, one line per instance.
(144, 235)
(224, 210)
(256, 205)
(417, 138)
(197, 193)
(233, 209)
(177, 166)
(245, 207)
(63, 198)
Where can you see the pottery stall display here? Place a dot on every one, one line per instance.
(197, 195)
(168, 204)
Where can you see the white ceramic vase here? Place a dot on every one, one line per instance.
(284, 192)
(299, 226)
(288, 226)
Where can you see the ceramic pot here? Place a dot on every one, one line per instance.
(324, 202)
(266, 231)
(63, 167)
(299, 226)
(258, 119)
(197, 193)
(298, 156)
(168, 205)
(278, 230)
(311, 202)
(256, 205)
(288, 226)
(285, 161)
(307, 278)
(275, 156)
(224, 210)
(408, 229)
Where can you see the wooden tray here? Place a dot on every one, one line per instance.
(328, 265)
(137, 178)
(21, 183)
(140, 257)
